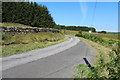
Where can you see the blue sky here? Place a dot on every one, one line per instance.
(81, 14)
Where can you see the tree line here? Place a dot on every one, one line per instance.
(32, 14)
(27, 13)
(76, 28)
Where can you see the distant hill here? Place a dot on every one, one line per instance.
(113, 32)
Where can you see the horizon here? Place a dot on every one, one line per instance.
(101, 15)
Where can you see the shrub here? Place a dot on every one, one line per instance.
(112, 67)
(80, 32)
(6, 37)
(79, 35)
(81, 71)
(97, 39)
(102, 32)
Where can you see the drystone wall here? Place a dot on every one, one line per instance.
(20, 30)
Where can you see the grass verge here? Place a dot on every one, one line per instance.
(107, 62)
(27, 42)
(102, 52)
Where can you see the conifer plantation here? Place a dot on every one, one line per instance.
(27, 13)
(32, 14)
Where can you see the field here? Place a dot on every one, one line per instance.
(108, 35)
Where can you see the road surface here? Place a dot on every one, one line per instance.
(57, 61)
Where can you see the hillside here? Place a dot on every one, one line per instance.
(19, 42)
(14, 44)
(14, 25)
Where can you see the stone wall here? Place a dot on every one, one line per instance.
(20, 30)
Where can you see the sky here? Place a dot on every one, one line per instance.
(74, 0)
(103, 17)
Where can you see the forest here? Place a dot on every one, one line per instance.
(32, 14)
(27, 13)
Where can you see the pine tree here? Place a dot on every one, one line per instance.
(28, 13)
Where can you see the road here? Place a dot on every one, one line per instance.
(57, 61)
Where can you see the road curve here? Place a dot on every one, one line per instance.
(52, 62)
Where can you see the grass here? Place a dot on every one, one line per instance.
(69, 32)
(114, 36)
(103, 58)
(107, 58)
(108, 35)
(102, 51)
(13, 25)
(100, 48)
(27, 42)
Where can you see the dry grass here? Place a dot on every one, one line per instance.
(70, 32)
(108, 35)
(102, 51)
(27, 42)
(100, 48)
(13, 25)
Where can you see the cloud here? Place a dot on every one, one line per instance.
(84, 9)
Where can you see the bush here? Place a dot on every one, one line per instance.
(79, 35)
(90, 36)
(112, 67)
(102, 32)
(94, 38)
(80, 32)
(81, 71)
(6, 37)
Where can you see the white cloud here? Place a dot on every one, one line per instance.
(84, 9)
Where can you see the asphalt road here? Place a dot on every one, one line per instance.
(57, 61)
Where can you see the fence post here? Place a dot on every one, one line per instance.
(88, 64)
